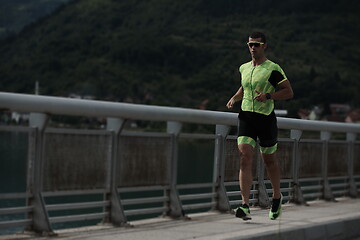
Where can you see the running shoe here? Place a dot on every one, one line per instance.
(243, 212)
(275, 210)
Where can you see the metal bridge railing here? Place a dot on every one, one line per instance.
(114, 175)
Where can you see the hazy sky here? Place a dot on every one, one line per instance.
(15, 14)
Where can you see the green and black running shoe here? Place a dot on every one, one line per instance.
(275, 210)
(243, 212)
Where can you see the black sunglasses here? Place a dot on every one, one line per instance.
(254, 44)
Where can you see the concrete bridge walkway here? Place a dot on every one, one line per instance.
(320, 220)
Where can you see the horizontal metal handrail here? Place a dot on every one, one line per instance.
(144, 200)
(15, 223)
(338, 178)
(15, 210)
(288, 189)
(198, 205)
(312, 195)
(144, 211)
(82, 205)
(310, 179)
(195, 185)
(92, 108)
(142, 188)
(80, 217)
(233, 193)
(311, 188)
(197, 136)
(237, 202)
(283, 180)
(16, 128)
(236, 183)
(339, 192)
(338, 185)
(15, 195)
(74, 192)
(185, 197)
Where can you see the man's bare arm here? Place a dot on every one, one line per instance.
(237, 97)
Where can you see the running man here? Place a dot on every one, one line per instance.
(262, 82)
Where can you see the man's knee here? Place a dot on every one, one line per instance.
(269, 159)
(246, 155)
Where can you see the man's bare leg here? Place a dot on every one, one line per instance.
(273, 171)
(245, 174)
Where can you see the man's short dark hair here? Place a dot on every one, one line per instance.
(258, 35)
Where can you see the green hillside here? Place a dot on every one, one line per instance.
(185, 53)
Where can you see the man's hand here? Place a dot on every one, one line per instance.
(261, 97)
(230, 103)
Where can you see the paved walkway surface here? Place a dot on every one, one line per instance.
(319, 220)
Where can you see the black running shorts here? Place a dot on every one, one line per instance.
(253, 126)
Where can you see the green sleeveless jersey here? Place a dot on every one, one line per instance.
(263, 78)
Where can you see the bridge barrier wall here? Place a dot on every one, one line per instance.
(112, 175)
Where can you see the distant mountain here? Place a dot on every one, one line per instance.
(185, 53)
(15, 14)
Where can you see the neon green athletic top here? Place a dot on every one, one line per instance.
(263, 78)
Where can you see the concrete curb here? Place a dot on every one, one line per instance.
(343, 229)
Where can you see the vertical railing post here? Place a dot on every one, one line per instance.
(327, 194)
(40, 216)
(117, 215)
(297, 193)
(221, 199)
(350, 138)
(175, 208)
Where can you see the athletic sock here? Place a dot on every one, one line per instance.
(275, 204)
(245, 206)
